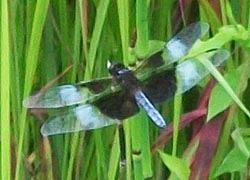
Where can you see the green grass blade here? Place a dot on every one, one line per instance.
(177, 116)
(145, 148)
(114, 160)
(101, 158)
(123, 10)
(77, 43)
(64, 28)
(142, 28)
(5, 93)
(136, 137)
(98, 27)
(206, 8)
(127, 130)
(73, 150)
(31, 59)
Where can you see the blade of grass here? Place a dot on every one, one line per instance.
(17, 70)
(137, 166)
(114, 158)
(5, 93)
(77, 42)
(83, 5)
(79, 159)
(63, 14)
(98, 27)
(89, 157)
(123, 9)
(129, 168)
(177, 116)
(223, 12)
(145, 148)
(100, 154)
(65, 156)
(142, 28)
(160, 19)
(31, 59)
(209, 15)
(136, 137)
(73, 152)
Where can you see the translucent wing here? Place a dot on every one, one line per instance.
(68, 95)
(176, 48)
(190, 72)
(83, 117)
(165, 84)
(180, 44)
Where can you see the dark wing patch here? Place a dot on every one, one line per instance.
(150, 64)
(118, 105)
(96, 86)
(160, 87)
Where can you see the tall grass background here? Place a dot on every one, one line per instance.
(41, 39)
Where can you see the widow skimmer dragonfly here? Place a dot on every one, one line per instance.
(101, 102)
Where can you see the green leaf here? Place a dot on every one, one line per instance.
(238, 137)
(220, 99)
(225, 34)
(176, 165)
(228, 165)
(240, 153)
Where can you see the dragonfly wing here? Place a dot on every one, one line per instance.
(175, 49)
(163, 85)
(191, 71)
(67, 95)
(85, 117)
(181, 43)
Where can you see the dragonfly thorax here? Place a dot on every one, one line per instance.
(123, 75)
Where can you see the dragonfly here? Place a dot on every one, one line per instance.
(106, 101)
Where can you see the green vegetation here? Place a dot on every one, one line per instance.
(41, 40)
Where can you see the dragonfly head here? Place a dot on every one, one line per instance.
(116, 68)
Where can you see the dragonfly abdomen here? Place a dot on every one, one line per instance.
(144, 102)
